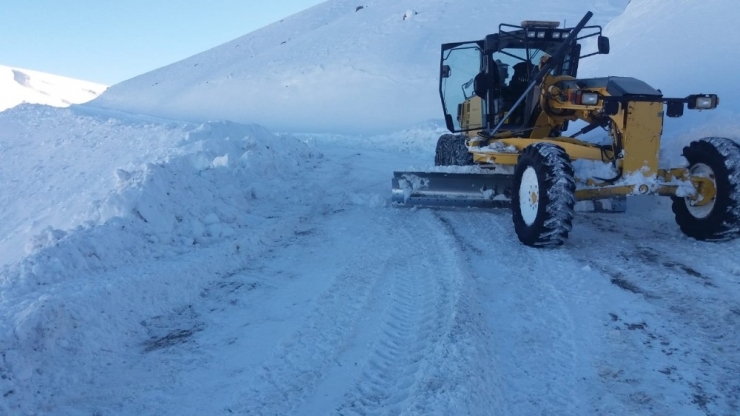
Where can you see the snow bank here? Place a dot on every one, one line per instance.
(80, 289)
(65, 168)
(57, 162)
(180, 196)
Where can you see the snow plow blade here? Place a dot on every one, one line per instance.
(447, 189)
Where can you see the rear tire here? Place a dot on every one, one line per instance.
(719, 159)
(452, 151)
(543, 195)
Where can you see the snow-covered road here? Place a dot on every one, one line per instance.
(174, 267)
(332, 302)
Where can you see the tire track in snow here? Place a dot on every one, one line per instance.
(533, 328)
(461, 375)
(369, 263)
(322, 349)
(414, 323)
(688, 331)
(290, 376)
(432, 355)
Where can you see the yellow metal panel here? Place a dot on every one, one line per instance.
(667, 190)
(668, 175)
(641, 137)
(604, 192)
(575, 148)
(499, 158)
(543, 125)
(472, 114)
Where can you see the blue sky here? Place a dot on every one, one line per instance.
(109, 41)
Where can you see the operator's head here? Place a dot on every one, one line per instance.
(543, 60)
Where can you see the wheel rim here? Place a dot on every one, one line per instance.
(529, 196)
(701, 211)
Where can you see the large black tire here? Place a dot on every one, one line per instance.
(543, 195)
(719, 159)
(452, 151)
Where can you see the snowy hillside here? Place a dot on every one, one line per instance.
(25, 86)
(157, 259)
(335, 67)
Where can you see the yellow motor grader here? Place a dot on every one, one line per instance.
(508, 99)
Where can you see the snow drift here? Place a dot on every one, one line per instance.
(146, 190)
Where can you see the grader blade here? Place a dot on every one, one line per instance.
(445, 189)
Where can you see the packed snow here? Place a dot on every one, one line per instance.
(20, 86)
(215, 237)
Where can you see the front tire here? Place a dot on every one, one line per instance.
(718, 159)
(543, 195)
(452, 151)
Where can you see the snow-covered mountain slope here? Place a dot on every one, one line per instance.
(335, 67)
(25, 86)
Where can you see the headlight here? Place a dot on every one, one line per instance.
(589, 98)
(704, 102)
(556, 35)
(581, 97)
(531, 34)
(540, 35)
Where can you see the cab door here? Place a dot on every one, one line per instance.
(460, 64)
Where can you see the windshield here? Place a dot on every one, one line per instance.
(507, 62)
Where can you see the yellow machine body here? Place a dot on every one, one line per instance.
(638, 124)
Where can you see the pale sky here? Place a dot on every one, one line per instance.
(109, 41)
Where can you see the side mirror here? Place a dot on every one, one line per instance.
(446, 71)
(603, 43)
